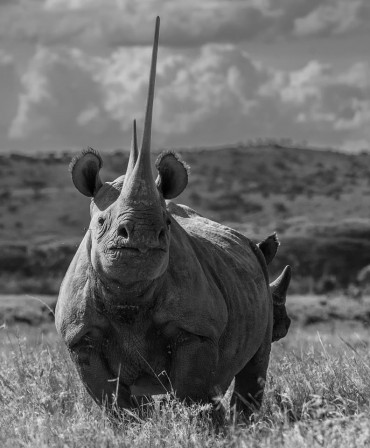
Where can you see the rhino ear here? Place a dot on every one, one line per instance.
(173, 174)
(269, 247)
(84, 169)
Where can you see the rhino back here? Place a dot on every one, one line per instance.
(218, 285)
(222, 244)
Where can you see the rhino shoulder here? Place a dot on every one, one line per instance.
(213, 269)
(219, 241)
(74, 311)
(197, 225)
(181, 211)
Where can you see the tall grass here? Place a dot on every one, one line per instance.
(317, 394)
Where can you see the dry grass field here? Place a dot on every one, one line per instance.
(317, 394)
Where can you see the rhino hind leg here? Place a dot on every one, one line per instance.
(250, 383)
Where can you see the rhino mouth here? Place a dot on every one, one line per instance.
(131, 250)
(134, 250)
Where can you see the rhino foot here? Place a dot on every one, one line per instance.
(250, 383)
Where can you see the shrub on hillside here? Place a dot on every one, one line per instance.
(233, 201)
(281, 208)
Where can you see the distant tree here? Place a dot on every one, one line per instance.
(280, 207)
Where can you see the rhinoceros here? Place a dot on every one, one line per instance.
(158, 298)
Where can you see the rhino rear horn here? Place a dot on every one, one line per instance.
(280, 286)
(134, 151)
(84, 169)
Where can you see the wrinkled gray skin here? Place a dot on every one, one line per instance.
(279, 289)
(154, 287)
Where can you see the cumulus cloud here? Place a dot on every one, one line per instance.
(9, 87)
(324, 99)
(212, 95)
(189, 88)
(58, 104)
(124, 23)
(79, 73)
(186, 23)
(335, 17)
(71, 94)
(88, 115)
(5, 58)
(34, 83)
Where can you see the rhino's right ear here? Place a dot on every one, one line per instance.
(84, 169)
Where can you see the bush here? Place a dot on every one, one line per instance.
(280, 207)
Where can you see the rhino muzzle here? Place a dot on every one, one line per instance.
(142, 239)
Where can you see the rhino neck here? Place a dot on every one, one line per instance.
(140, 293)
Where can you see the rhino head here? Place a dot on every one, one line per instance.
(130, 226)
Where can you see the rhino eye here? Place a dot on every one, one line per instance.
(101, 221)
(168, 223)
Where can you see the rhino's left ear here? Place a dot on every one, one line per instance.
(173, 174)
(84, 169)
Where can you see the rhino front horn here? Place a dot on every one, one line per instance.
(139, 179)
(145, 145)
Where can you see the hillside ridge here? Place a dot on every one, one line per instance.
(298, 192)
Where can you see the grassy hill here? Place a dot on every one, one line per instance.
(316, 200)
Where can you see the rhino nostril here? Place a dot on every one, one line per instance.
(161, 235)
(122, 231)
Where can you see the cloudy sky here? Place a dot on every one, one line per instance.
(74, 73)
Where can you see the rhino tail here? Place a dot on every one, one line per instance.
(269, 247)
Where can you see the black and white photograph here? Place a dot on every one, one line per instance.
(185, 223)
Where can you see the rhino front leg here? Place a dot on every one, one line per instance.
(250, 382)
(99, 381)
(193, 369)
